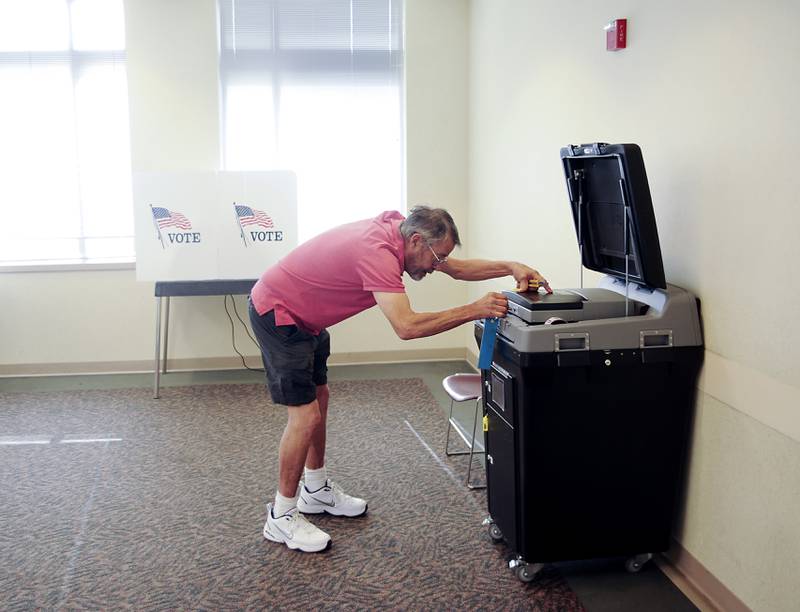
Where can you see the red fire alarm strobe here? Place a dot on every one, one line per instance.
(616, 34)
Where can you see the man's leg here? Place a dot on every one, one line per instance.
(284, 523)
(318, 493)
(302, 432)
(316, 449)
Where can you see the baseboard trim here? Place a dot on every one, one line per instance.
(698, 584)
(472, 358)
(220, 363)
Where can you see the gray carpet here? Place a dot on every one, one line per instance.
(170, 516)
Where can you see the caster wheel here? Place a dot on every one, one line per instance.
(635, 564)
(527, 572)
(495, 533)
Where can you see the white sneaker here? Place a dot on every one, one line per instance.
(330, 499)
(294, 530)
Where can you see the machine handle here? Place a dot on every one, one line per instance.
(571, 342)
(655, 338)
(587, 149)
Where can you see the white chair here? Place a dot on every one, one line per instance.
(462, 388)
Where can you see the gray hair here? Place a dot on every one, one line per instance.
(433, 224)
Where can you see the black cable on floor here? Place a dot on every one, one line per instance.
(233, 332)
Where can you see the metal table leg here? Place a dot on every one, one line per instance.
(157, 368)
(166, 338)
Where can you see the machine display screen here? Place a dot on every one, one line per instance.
(498, 392)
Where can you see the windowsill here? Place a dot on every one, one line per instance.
(69, 266)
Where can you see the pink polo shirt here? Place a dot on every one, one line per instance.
(332, 276)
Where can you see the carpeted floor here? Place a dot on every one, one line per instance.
(170, 515)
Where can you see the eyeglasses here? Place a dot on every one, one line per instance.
(439, 260)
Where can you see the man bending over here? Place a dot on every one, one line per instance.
(322, 282)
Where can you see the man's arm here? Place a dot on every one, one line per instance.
(483, 269)
(408, 324)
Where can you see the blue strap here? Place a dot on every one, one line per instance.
(487, 343)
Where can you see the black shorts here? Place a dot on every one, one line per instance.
(295, 361)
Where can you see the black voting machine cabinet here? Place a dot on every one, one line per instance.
(589, 398)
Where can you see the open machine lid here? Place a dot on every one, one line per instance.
(607, 183)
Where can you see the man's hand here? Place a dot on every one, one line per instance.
(528, 278)
(491, 305)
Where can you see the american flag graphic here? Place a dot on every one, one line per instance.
(251, 216)
(165, 218)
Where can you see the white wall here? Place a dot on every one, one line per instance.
(709, 91)
(101, 321)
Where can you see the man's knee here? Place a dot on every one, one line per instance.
(306, 416)
(323, 394)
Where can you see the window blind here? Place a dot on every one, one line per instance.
(315, 86)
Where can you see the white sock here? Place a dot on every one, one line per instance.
(316, 479)
(283, 504)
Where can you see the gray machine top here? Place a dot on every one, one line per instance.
(633, 307)
(657, 318)
(569, 305)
